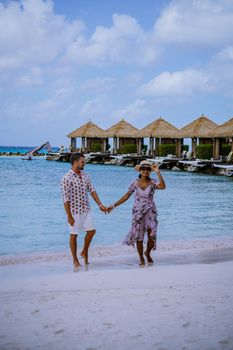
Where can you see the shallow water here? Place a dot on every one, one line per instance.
(193, 207)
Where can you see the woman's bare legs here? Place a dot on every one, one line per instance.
(140, 252)
(150, 245)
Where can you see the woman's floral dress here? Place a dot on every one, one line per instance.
(144, 213)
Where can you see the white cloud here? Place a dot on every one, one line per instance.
(94, 109)
(31, 34)
(225, 55)
(182, 83)
(34, 78)
(220, 68)
(132, 112)
(196, 22)
(124, 42)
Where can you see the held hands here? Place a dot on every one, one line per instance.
(103, 208)
(106, 210)
(110, 208)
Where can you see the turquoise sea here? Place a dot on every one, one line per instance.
(32, 218)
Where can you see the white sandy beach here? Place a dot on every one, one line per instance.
(183, 301)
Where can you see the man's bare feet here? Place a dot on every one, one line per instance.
(84, 255)
(77, 264)
(149, 258)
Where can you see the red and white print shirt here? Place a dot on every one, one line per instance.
(75, 190)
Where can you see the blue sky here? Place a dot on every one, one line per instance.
(63, 63)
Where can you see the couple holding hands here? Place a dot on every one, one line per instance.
(76, 185)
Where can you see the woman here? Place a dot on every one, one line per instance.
(144, 218)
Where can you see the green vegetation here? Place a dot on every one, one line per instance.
(204, 151)
(96, 147)
(166, 149)
(128, 149)
(185, 148)
(225, 149)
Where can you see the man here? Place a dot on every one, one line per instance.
(75, 187)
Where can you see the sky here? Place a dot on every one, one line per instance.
(64, 63)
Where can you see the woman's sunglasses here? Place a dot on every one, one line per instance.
(145, 168)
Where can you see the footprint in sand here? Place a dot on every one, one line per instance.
(186, 325)
(108, 324)
(224, 342)
(34, 312)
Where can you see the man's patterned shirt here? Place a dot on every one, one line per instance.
(75, 190)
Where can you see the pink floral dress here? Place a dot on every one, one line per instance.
(144, 213)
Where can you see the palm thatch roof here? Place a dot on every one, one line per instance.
(122, 129)
(159, 128)
(225, 130)
(199, 128)
(88, 130)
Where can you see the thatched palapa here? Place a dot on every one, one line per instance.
(91, 135)
(223, 131)
(122, 129)
(220, 135)
(87, 130)
(161, 132)
(159, 128)
(199, 128)
(123, 133)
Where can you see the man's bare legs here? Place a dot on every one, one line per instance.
(87, 241)
(73, 248)
(140, 252)
(150, 245)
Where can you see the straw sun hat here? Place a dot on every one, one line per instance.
(143, 163)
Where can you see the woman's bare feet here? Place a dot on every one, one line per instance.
(142, 262)
(84, 255)
(149, 258)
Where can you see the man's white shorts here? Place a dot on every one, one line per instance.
(83, 222)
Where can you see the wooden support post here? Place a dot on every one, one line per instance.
(114, 145)
(83, 144)
(118, 144)
(73, 144)
(139, 146)
(151, 146)
(104, 145)
(156, 148)
(194, 146)
(216, 148)
(179, 143)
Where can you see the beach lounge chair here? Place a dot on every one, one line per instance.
(229, 158)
